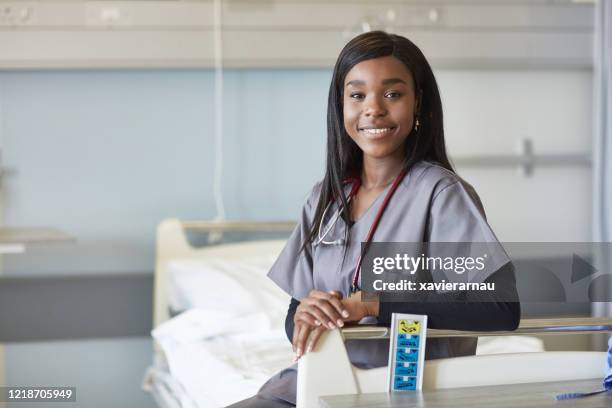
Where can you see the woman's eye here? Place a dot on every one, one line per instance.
(356, 96)
(394, 94)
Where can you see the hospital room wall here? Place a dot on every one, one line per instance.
(105, 155)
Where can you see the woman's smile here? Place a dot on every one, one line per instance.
(376, 133)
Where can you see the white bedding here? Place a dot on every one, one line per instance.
(220, 359)
(231, 338)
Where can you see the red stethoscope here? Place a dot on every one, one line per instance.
(355, 184)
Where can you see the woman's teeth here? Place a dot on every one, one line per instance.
(376, 131)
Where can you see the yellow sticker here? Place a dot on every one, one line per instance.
(409, 326)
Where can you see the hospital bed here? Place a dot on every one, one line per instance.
(227, 334)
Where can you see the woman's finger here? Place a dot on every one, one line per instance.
(301, 340)
(296, 333)
(315, 334)
(305, 317)
(336, 294)
(328, 309)
(333, 298)
(316, 313)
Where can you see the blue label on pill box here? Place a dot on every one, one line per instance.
(404, 383)
(406, 340)
(406, 354)
(409, 369)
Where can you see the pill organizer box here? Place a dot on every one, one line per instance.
(406, 352)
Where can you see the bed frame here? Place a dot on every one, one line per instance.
(172, 243)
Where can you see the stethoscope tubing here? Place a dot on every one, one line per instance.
(373, 227)
(356, 183)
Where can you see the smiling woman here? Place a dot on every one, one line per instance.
(387, 178)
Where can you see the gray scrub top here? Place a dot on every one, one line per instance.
(431, 204)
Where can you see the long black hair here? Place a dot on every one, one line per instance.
(344, 157)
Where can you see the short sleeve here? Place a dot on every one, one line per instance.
(457, 216)
(292, 270)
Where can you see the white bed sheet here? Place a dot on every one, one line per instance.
(230, 338)
(165, 389)
(219, 359)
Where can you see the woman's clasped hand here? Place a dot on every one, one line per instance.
(320, 311)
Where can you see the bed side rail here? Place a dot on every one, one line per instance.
(565, 325)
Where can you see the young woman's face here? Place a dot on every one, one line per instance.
(379, 105)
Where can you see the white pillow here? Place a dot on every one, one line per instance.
(236, 287)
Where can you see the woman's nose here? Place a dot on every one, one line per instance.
(375, 108)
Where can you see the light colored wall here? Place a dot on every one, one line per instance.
(105, 155)
(489, 112)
